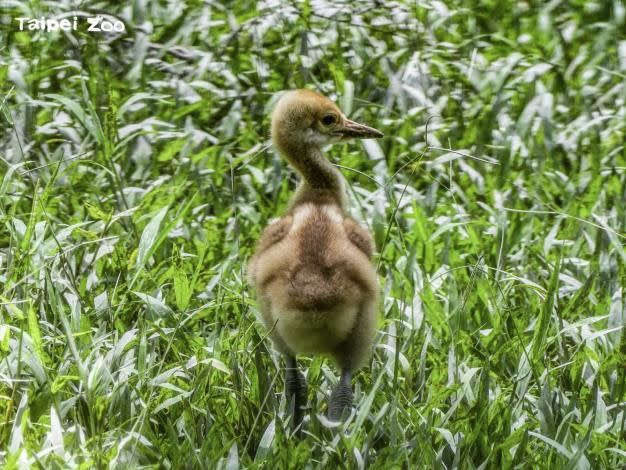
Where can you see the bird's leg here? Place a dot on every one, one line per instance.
(341, 398)
(295, 391)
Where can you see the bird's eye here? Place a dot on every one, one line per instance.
(329, 119)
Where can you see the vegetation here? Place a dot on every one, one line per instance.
(136, 174)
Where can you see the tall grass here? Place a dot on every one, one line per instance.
(135, 175)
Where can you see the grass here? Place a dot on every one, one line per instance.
(135, 176)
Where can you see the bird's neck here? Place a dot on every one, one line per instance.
(321, 181)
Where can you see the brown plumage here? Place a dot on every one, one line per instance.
(316, 287)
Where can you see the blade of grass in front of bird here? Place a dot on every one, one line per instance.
(543, 323)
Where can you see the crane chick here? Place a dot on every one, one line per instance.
(316, 287)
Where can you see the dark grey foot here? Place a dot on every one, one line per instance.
(295, 391)
(341, 398)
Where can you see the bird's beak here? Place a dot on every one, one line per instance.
(354, 130)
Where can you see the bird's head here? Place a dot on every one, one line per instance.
(303, 117)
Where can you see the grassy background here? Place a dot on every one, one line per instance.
(135, 176)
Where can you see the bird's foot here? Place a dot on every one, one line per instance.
(341, 398)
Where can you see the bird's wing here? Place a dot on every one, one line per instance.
(272, 234)
(359, 237)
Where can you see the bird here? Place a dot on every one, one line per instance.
(316, 286)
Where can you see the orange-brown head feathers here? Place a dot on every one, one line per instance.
(303, 117)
